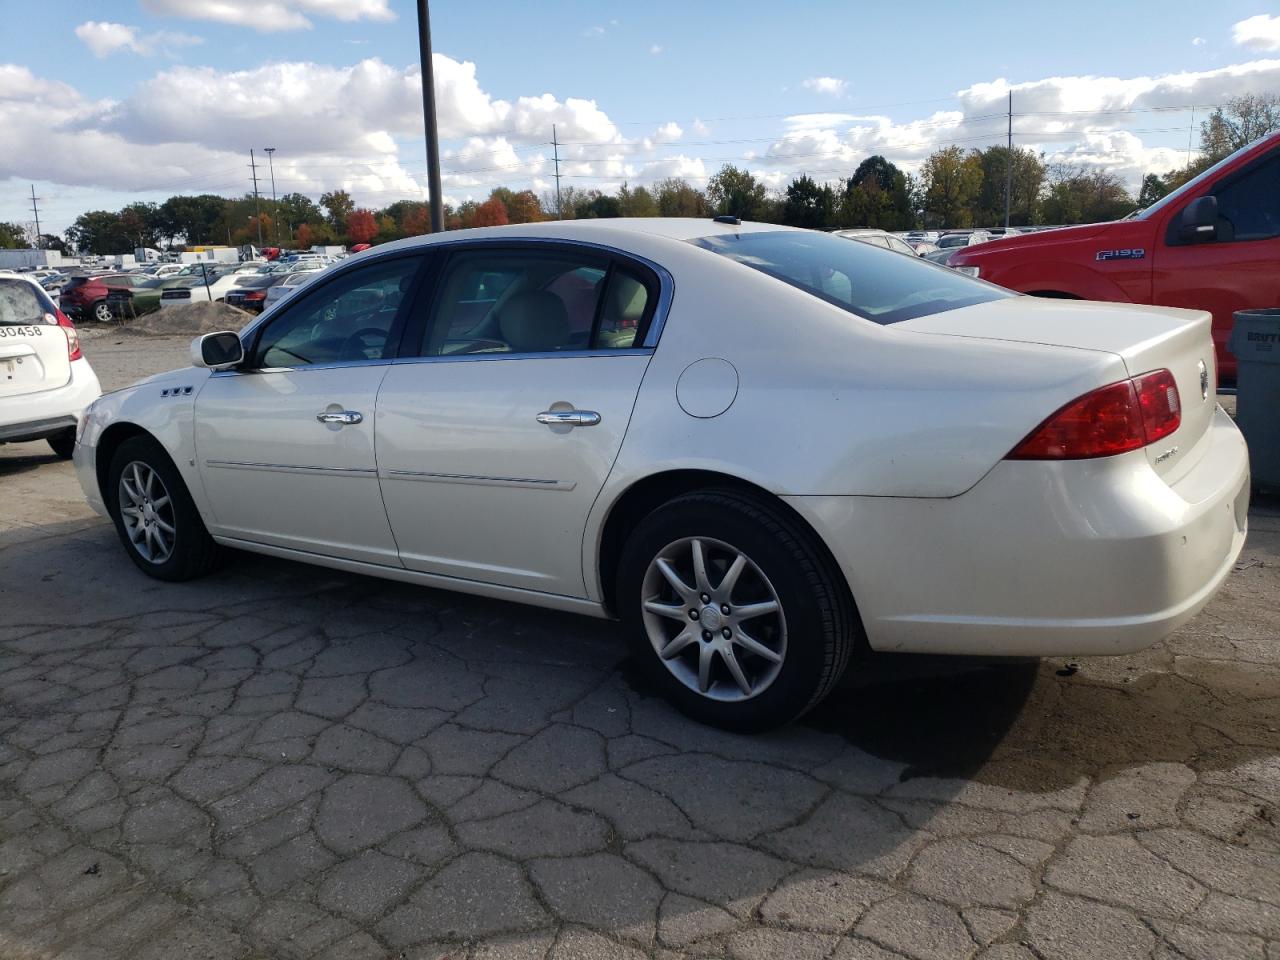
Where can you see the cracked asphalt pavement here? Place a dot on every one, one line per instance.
(284, 761)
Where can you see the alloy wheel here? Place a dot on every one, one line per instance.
(102, 312)
(714, 619)
(147, 512)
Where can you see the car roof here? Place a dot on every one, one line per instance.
(602, 231)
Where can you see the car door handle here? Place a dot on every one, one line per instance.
(340, 416)
(569, 418)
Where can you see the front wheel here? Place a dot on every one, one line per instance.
(102, 312)
(155, 517)
(734, 610)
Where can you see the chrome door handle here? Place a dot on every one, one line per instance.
(341, 416)
(569, 418)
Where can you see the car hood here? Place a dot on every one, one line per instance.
(1028, 240)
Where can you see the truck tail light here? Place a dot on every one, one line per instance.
(73, 338)
(1113, 419)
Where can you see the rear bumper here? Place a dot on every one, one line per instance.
(34, 416)
(1042, 559)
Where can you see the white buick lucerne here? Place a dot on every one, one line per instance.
(760, 448)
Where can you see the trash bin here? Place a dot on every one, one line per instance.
(1255, 341)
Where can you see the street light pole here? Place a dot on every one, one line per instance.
(274, 209)
(429, 118)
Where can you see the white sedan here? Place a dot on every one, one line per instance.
(45, 380)
(761, 449)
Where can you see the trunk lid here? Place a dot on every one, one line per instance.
(34, 353)
(1145, 338)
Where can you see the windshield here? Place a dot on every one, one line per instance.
(869, 282)
(1194, 182)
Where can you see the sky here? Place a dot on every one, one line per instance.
(104, 102)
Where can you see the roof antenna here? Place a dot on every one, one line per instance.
(727, 218)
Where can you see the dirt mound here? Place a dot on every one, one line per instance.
(188, 320)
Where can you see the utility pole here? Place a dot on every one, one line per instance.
(257, 207)
(35, 209)
(429, 118)
(1008, 167)
(1190, 133)
(275, 211)
(555, 144)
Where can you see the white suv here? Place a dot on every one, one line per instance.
(45, 381)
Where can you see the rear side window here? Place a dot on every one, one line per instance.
(867, 282)
(22, 304)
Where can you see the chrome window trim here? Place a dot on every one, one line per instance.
(538, 355)
(666, 284)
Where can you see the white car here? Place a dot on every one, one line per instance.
(760, 448)
(212, 290)
(289, 284)
(45, 380)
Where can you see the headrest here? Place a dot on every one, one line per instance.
(534, 321)
(627, 300)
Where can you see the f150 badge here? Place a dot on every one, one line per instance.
(1134, 253)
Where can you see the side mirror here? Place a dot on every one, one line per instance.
(217, 351)
(1199, 220)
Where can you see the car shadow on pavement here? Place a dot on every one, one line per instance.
(12, 466)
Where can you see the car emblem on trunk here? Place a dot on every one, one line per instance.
(1204, 381)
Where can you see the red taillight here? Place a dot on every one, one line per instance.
(256, 295)
(1113, 419)
(73, 338)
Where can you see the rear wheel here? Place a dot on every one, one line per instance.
(102, 312)
(64, 444)
(733, 610)
(156, 519)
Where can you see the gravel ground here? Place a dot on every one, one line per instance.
(283, 761)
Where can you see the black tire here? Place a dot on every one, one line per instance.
(819, 626)
(64, 443)
(193, 551)
(101, 311)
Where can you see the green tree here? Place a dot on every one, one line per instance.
(193, 219)
(736, 193)
(951, 182)
(1026, 182)
(809, 204)
(294, 209)
(99, 232)
(13, 236)
(637, 203)
(1238, 122)
(1078, 195)
(885, 200)
(339, 205)
(676, 198)
(1153, 188)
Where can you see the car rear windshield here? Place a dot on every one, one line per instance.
(872, 283)
(21, 304)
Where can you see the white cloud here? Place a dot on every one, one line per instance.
(271, 15)
(1260, 33)
(655, 50)
(104, 38)
(668, 133)
(829, 85)
(1082, 119)
(1197, 41)
(596, 31)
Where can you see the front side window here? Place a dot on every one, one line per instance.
(854, 276)
(536, 302)
(1250, 204)
(348, 319)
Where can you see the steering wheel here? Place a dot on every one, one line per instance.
(357, 342)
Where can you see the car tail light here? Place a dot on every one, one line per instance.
(256, 295)
(73, 338)
(1113, 419)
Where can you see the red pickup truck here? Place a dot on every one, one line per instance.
(1213, 244)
